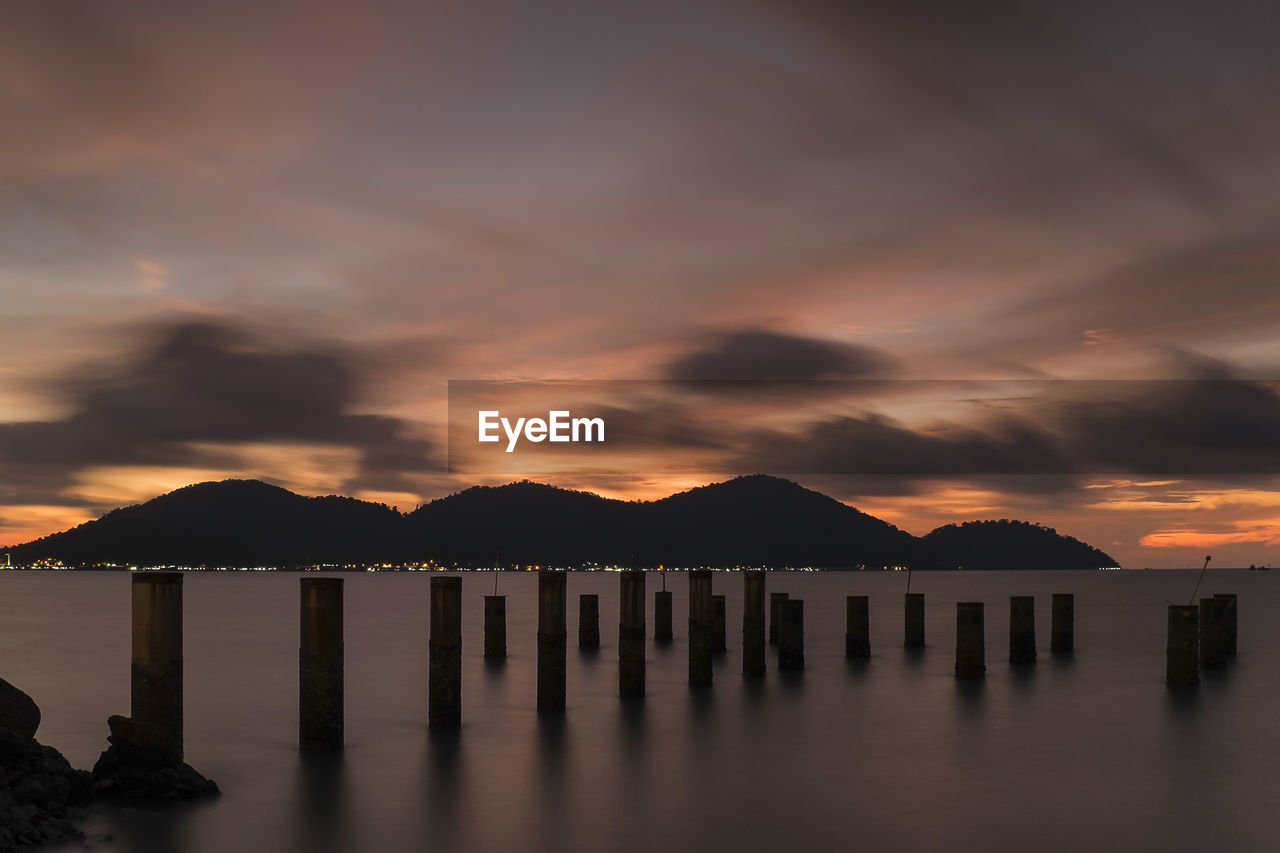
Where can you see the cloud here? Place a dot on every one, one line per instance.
(761, 354)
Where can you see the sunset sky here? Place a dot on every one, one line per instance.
(260, 244)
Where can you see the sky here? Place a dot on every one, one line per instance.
(262, 243)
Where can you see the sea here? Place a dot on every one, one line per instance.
(1080, 753)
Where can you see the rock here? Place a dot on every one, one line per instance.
(141, 767)
(18, 711)
(142, 745)
(39, 791)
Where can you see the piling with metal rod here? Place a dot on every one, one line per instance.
(631, 635)
(552, 631)
(775, 600)
(791, 635)
(1182, 650)
(719, 643)
(1214, 613)
(588, 621)
(913, 623)
(857, 626)
(753, 627)
(155, 683)
(701, 624)
(1232, 619)
(971, 643)
(1062, 631)
(1022, 629)
(495, 626)
(444, 677)
(320, 659)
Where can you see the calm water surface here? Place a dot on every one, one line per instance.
(892, 754)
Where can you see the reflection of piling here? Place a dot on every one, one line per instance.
(444, 690)
(1232, 619)
(718, 617)
(495, 626)
(1213, 632)
(1062, 631)
(753, 630)
(791, 635)
(320, 701)
(662, 616)
(971, 643)
(913, 633)
(857, 627)
(631, 635)
(552, 589)
(588, 621)
(1182, 654)
(155, 686)
(775, 599)
(701, 620)
(1022, 629)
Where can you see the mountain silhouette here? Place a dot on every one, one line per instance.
(754, 520)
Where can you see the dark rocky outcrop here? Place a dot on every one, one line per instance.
(18, 711)
(143, 766)
(39, 790)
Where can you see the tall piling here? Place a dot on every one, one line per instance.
(913, 622)
(552, 630)
(857, 626)
(775, 601)
(444, 676)
(1022, 629)
(1182, 651)
(719, 616)
(971, 642)
(155, 683)
(662, 632)
(701, 618)
(320, 655)
(791, 635)
(1062, 631)
(1232, 619)
(1213, 632)
(495, 626)
(588, 621)
(631, 635)
(753, 628)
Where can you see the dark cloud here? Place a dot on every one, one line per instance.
(760, 354)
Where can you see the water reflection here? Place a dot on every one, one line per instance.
(322, 801)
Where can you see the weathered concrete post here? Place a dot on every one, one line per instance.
(857, 626)
(662, 616)
(1062, 632)
(791, 635)
(155, 684)
(1232, 619)
(1214, 613)
(320, 697)
(1182, 652)
(552, 631)
(588, 621)
(444, 667)
(913, 635)
(1022, 629)
(631, 635)
(753, 629)
(495, 626)
(971, 642)
(775, 600)
(700, 628)
(719, 616)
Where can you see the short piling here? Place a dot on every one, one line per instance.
(155, 684)
(1022, 629)
(320, 657)
(495, 626)
(857, 627)
(753, 628)
(588, 621)
(775, 600)
(913, 623)
(701, 618)
(631, 635)
(971, 643)
(662, 632)
(1062, 631)
(1213, 632)
(718, 618)
(1182, 652)
(791, 635)
(1232, 619)
(552, 631)
(444, 678)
